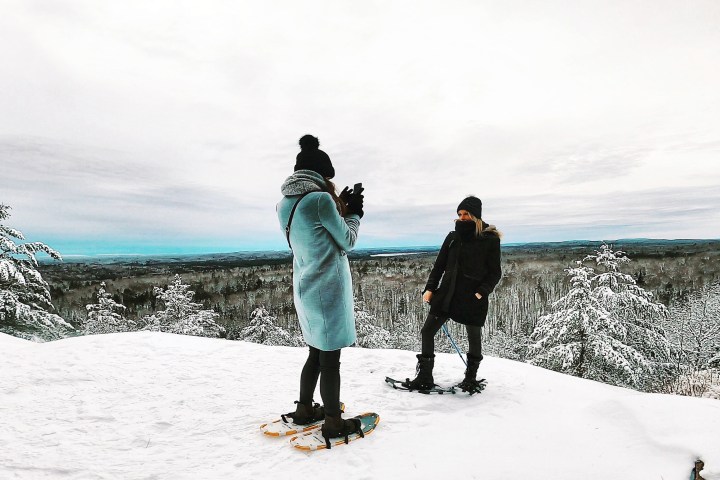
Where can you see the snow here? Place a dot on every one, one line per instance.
(149, 405)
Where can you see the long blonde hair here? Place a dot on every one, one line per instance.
(479, 227)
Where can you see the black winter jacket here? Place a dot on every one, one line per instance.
(466, 266)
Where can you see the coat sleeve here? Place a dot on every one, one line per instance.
(343, 230)
(439, 267)
(493, 268)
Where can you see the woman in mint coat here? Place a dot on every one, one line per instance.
(321, 227)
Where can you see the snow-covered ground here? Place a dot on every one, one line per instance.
(160, 406)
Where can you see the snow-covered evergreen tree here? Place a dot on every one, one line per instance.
(580, 337)
(263, 328)
(24, 295)
(181, 314)
(369, 334)
(106, 316)
(632, 305)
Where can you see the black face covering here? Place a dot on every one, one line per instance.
(466, 228)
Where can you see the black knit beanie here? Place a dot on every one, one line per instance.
(472, 205)
(312, 158)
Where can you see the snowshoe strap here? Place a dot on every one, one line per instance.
(292, 213)
(290, 415)
(305, 420)
(358, 427)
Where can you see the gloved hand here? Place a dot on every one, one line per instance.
(345, 195)
(355, 204)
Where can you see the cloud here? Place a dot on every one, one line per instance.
(585, 163)
(619, 207)
(659, 213)
(76, 190)
(101, 194)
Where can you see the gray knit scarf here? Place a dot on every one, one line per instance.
(303, 181)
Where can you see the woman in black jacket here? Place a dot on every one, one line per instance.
(469, 266)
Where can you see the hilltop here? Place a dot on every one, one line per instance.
(152, 405)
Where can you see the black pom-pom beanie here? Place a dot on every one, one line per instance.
(312, 158)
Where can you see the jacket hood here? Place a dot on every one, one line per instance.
(303, 181)
(490, 230)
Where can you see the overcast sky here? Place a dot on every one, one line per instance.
(168, 126)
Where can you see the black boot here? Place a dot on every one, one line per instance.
(424, 378)
(470, 383)
(335, 427)
(305, 414)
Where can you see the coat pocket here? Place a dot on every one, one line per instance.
(474, 281)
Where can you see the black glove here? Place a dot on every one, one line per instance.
(355, 204)
(345, 195)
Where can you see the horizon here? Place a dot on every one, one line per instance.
(410, 248)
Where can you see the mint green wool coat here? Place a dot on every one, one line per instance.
(322, 284)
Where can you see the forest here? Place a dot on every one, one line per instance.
(387, 286)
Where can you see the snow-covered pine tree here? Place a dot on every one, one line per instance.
(635, 308)
(263, 328)
(24, 295)
(369, 334)
(181, 314)
(106, 316)
(580, 337)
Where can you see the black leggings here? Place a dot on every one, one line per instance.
(326, 366)
(433, 323)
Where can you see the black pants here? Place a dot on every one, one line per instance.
(326, 366)
(433, 323)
